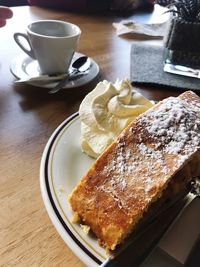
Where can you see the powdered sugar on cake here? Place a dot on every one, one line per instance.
(169, 130)
(175, 125)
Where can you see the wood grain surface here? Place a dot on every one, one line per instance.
(29, 115)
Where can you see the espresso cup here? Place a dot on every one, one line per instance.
(52, 43)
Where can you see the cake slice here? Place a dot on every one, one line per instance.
(154, 158)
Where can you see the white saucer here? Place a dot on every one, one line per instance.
(23, 67)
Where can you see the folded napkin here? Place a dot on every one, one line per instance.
(147, 68)
(132, 27)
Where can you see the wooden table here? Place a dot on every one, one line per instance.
(28, 116)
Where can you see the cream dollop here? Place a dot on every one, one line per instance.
(106, 111)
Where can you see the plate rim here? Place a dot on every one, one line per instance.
(77, 247)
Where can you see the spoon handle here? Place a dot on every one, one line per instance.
(72, 76)
(76, 73)
(60, 85)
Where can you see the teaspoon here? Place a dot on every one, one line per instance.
(79, 68)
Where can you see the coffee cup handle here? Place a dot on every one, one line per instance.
(29, 52)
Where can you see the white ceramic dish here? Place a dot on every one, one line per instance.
(62, 165)
(24, 67)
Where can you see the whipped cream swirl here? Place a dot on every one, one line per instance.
(106, 111)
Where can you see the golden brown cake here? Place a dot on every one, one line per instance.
(158, 152)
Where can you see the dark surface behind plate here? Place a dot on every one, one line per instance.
(147, 68)
(136, 251)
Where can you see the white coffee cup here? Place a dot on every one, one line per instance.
(52, 43)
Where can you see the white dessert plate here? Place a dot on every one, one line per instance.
(62, 165)
(24, 67)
